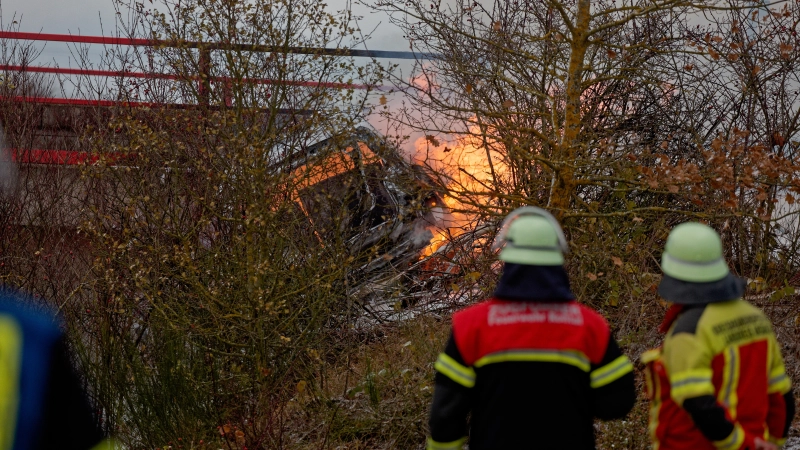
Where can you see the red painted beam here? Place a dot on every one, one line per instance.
(60, 157)
(163, 76)
(127, 104)
(74, 38)
(84, 102)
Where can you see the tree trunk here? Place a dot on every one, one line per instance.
(564, 186)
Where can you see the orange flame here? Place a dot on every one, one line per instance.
(472, 164)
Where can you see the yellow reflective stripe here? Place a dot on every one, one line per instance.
(655, 409)
(10, 366)
(778, 441)
(455, 445)
(734, 440)
(653, 384)
(728, 395)
(650, 355)
(779, 381)
(690, 383)
(780, 384)
(449, 367)
(106, 444)
(571, 357)
(610, 372)
(776, 372)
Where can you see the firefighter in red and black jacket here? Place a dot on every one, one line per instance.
(718, 382)
(531, 367)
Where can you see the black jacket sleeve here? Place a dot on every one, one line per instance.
(709, 417)
(613, 399)
(788, 398)
(451, 403)
(68, 422)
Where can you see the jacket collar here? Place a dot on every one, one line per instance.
(521, 282)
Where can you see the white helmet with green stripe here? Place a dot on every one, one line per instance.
(531, 236)
(694, 253)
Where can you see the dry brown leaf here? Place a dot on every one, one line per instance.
(790, 199)
(786, 51)
(497, 26)
(688, 67)
(468, 88)
(611, 53)
(382, 100)
(617, 261)
(673, 189)
(591, 276)
(508, 104)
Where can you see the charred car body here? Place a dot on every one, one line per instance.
(360, 189)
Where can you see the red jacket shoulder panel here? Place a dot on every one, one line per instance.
(467, 324)
(496, 326)
(598, 332)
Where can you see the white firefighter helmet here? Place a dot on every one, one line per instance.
(531, 236)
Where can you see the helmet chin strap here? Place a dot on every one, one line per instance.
(500, 240)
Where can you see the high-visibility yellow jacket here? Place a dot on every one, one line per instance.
(718, 381)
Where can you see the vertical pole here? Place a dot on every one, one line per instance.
(204, 84)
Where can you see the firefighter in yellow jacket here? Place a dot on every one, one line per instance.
(718, 382)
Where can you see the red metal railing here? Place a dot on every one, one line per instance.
(121, 103)
(68, 157)
(164, 76)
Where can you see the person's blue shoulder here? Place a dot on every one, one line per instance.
(32, 318)
(40, 332)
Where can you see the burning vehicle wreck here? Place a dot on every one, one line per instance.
(360, 189)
